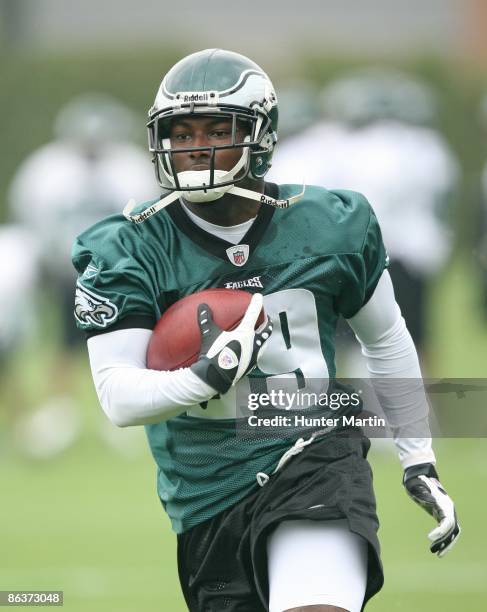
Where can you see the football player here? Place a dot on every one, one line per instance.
(75, 180)
(264, 522)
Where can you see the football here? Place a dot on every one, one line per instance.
(175, 342)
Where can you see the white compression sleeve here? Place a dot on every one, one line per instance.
(129, 393)
(393, 364)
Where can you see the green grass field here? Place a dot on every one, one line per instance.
(89, 522)
(91, 525)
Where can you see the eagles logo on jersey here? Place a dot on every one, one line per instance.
(91, 309)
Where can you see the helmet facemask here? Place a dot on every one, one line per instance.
(209, 185)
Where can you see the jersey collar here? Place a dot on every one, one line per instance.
(215, 245)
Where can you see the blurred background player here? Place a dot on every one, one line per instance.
(19, 273)
(377, 136)
(67, 185)
(18, 277)
(299, 108)
(77, 179)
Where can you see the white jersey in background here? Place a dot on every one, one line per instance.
(58, 192)
(18, 277)
(408, 173)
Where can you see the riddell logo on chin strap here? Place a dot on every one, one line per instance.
(276, 203)
(145, 215)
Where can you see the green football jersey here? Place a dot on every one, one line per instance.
(317, 260)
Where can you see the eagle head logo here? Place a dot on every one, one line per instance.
(93, 309)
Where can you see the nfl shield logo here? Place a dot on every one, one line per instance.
(238, 258)
(238, 254)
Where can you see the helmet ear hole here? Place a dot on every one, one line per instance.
(259, 164)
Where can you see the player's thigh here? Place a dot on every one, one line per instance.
(316, 563)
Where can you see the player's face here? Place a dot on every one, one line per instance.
(205, 132)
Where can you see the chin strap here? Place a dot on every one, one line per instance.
(264, 199)
(151, 210)
(239, 191)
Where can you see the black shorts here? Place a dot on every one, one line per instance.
(222, 562)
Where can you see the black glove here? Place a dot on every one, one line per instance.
(423, 486)
(226, 356)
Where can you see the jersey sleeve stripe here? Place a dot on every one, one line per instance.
(130, 322)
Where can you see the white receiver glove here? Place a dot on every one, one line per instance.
(226, 356)
(422, 485)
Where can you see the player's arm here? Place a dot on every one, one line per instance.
(130, 394)
(396, 375)
(115, 305)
